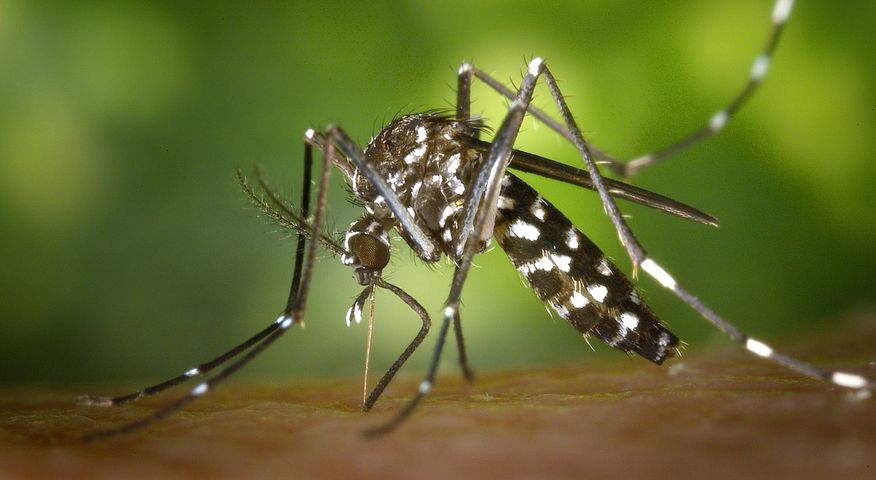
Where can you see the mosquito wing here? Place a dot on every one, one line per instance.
(545, 167)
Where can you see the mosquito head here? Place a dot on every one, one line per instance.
(368, 248)
(372, 254)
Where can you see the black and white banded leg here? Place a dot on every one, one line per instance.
(206, 367)
(482, 201)
(466, 198)
(478, 216)
(366, 250)
(293, 313)
(357, 164)
(759, 68)
(634, 249)
(639, 257)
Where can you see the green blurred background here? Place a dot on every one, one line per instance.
(129, 254)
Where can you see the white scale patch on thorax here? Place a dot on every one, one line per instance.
(416, 154)
(452, 164)
(445, 214)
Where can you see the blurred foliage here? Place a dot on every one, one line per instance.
(129, 254)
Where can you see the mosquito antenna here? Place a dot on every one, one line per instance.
(283, 214)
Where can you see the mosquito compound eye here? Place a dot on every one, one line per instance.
(372, 253)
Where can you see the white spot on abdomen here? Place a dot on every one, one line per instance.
(563, 262)
(629, 321)
(578, 300)
(506, 203)
(537, 209)
(543, 263)
(603, 267)
(521, 229)
(572, 239)
(598, 292)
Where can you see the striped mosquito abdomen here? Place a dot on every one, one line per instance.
(570, 274)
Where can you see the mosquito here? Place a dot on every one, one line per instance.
(430, 178)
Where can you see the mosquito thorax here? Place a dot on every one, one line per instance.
(427, 164)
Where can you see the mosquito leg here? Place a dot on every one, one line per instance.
(759, 68)
(293, 313)
(780, 13)
(547, 168)
(482, 198)
(424, 388)
(467, 372)
(463, 113)
(628, 239)
(839, 378)
(196, 392)
(426, 248)
(640, 258)
(467, 71)
(415, 343)
(463, 91)
(305, 211)
(206, 367)
(202, 369)
(480, 207)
